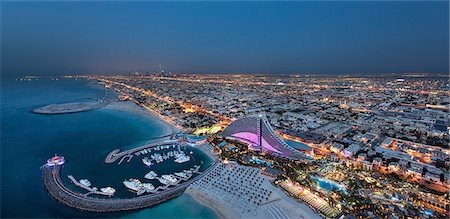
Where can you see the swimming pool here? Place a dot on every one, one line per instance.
(328, 185)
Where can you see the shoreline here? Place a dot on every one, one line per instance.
(132, 106)
(206, 148)
(211, 204)
(136, 108)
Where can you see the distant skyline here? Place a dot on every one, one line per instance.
(56, 38)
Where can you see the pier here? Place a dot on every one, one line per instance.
(91, 190)
(56, 189)
(115, 155)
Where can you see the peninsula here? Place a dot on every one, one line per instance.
(72, 107)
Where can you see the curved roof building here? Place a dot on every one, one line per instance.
(257, 131)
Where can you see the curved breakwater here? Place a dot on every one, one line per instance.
(59, 191)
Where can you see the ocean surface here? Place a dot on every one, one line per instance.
(84, 139)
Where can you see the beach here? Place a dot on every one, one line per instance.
(236, 191)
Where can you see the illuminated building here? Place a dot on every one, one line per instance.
(259, 134)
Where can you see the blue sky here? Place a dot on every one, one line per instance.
(224, 37)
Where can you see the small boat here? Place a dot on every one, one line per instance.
(147, 161)
(172, 180)
(182, 158)
(148, 187)
(164, 181)
(132, 184)
(150, 175)
(108, 190)
(85, 182)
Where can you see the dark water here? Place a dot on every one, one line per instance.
(85, 138)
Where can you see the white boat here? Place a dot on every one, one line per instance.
(181, 174)
(108, 190)
(56, 160)
(150, 175)
(148, 187)
(164, 181)
(140, 191)
(196, 168)
(85, 182)
(147, 161)
(133, 184)
(182, 158)
(170, 179)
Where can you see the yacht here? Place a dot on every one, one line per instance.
(133, 184)
(196, 168)
(150, 175)
(182, 158)
(147, 161)
(56, 160)
(164, 181)
(85, 182)
(108, 190)
(170, 178)
(183, 175)
(140, 191)
(148, 187)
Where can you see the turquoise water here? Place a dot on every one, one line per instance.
(326, 184)
(85, 138)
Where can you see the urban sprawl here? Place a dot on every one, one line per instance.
(379, 145)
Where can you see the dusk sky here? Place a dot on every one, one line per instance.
(224, 37)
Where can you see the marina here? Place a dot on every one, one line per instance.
(180, 157)
(138, 187)
(58, 190)
(115, 155)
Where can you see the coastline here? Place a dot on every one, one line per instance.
(169, 127)
(136, 108)
(206, 148)
(212, 204)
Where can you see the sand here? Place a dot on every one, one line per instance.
(278, 200)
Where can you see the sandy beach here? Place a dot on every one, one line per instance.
(218, 207)
(236, 191)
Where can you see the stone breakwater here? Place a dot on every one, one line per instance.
(56, 189)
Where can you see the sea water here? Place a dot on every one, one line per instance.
(84, 139)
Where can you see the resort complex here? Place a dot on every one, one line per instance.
(311, 143)
(259, 134)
